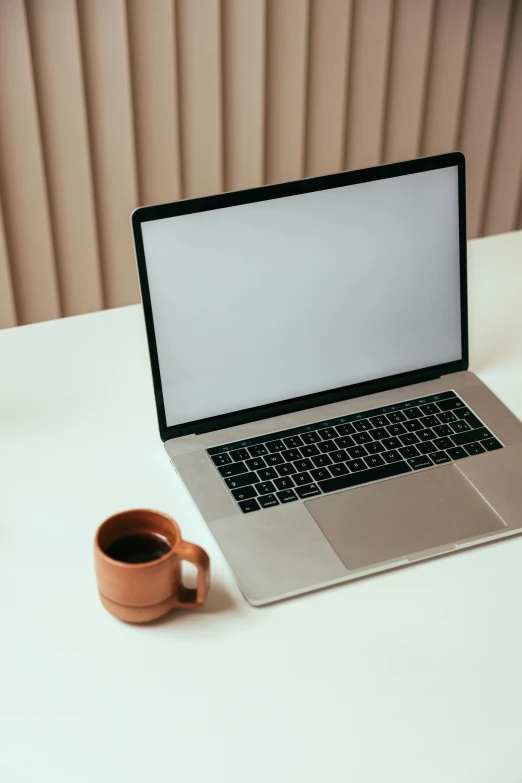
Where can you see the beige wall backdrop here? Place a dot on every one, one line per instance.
(107, 104)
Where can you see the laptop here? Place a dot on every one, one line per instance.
(309, 352)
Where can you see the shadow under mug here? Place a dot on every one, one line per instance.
(140, 592)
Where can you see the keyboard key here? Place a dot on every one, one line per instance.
(469, 437)
(320, 474)
(408, 452)
(266, 474)
(409, 439)
(429, 409)
(309, 451)
(304, 464)
(395, 417)
(429, 421)
(391, 456)
(308, 491)
(439, 457)
(391, 443)
(351, 453)
(244, 493)
(241, 481)
(275, 445)
(427, 448)
(414, 426)
(443, 443)
(328, 433)
(375, 448)
(474, 448)
(247, 506)
(256, 463)
(239, 455)
(303, 478)
(322, 460)
(221, 459)
(293, 442)
(451, 404)
(310, 437)
(460, 426)
(344, 442)
(355, 465)
(442, 430)
(445, 418)
(420, 462)
(266, 501)
(362, 437)
(362, 425)
(327, 445)
(491, 444)
(290, 455)
(374, 461)
(265, 488)
(357, 452)
(257, 451)
(457, 452)
(286, 470)
(345, 429)
(396, 429)
(233, 470)
(362, 477)
(287, 496)
(379, 421)
(464, 414)
(273, 459)
(380, 433)
(284, 483)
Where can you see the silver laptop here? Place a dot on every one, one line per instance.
(309, 352)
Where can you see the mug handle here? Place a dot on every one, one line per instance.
(189, 598)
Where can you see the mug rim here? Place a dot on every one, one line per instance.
(150, 563)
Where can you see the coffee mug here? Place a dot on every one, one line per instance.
(138, 557)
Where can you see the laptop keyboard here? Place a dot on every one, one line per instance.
(342, 453)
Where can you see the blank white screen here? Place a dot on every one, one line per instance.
(273, 300)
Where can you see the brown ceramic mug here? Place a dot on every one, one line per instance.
(135, 591)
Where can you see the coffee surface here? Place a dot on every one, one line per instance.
(138, 548)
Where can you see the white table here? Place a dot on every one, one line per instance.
(415, 675)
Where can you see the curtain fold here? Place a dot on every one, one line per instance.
(110, 104)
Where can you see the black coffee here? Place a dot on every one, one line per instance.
(138, 548)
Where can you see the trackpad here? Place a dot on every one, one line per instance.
(403, 516)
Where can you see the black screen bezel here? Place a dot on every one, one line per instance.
(236, 198)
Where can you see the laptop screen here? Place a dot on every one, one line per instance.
(273, 300)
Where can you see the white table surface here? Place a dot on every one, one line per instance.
(414, 675)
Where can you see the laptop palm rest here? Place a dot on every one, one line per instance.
(401, 517)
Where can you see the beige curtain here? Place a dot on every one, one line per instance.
(107, 104)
